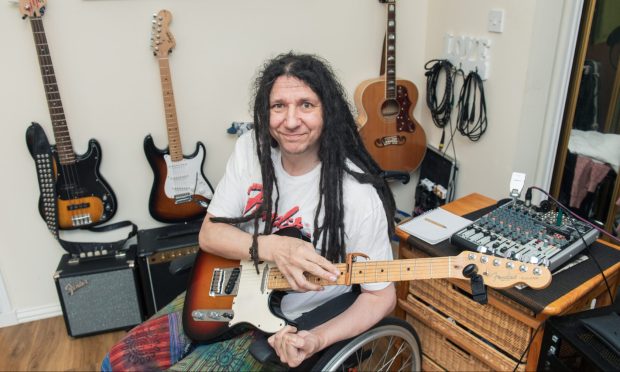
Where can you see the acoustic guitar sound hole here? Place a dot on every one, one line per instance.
(389, 108)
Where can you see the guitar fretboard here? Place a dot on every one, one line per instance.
(382, 271)
(172, 124)
(66, 155)
(390, 52)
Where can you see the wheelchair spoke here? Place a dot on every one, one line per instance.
(390, 346)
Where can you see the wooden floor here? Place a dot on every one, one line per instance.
(44, 345)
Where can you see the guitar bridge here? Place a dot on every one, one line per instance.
(81, 219)
(390, 141)
(225, 282)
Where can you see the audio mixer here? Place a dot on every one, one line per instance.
(526, 233)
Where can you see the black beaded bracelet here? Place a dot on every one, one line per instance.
(254, 252)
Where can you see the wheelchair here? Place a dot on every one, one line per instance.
(390, 345)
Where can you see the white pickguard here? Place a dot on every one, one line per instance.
(185, 177)
(251, 305)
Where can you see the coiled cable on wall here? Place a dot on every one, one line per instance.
(471, 119)
(440, 110)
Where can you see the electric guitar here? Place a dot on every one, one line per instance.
(391, 134)
(84, 198)
(225, 294)
(180, 189)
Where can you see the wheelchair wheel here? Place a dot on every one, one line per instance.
(391, 345)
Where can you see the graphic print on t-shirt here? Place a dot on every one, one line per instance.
(288, 219)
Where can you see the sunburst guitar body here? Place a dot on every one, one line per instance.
(180, 190)
(83, 197)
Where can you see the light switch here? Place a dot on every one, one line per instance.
(496, 20)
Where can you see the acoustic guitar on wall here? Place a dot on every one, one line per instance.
(84, 199)
(180, 189)
(388, 129)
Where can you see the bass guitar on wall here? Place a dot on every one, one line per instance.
(388, 129)
(84, 198)
(225, 294)
(180, 189)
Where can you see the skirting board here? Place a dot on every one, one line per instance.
(29, 315)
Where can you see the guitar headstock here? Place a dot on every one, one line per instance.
(32, 8)
(498, 272)
(162, 40)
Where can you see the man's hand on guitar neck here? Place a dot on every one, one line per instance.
(294, 257)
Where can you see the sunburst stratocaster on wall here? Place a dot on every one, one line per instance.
(84, 198)
(224, 294)
(179, 183)
(389, 131)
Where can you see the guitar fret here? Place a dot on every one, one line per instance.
(390, 73)
(174, 141)
(52, 94)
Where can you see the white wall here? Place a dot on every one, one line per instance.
(111, 91)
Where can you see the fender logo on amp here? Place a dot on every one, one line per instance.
(71, 288)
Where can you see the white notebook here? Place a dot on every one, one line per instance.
(435, 225)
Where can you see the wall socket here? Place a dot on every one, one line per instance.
(496, 20)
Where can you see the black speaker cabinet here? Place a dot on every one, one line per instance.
(99, 295)
(165, 258)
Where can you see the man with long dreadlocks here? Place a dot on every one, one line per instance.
(302, 167)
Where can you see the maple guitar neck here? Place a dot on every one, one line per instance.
(172, 124)
(379, 271)
(64, 146)
(497, 273)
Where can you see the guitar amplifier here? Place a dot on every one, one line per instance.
(165, 258)
(99, 295)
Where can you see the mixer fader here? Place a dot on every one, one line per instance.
(527, 234)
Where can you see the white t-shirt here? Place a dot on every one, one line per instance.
(240, 191)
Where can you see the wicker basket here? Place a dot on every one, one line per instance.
(429, 365)
(443, 352)
(451, 335)
(486, 321)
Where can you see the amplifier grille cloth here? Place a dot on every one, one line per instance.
(100, 301)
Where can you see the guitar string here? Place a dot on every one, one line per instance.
(69, 173)
(168, 96)
(374, 269)
(420, 268)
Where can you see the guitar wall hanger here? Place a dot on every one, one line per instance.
(468, 53)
